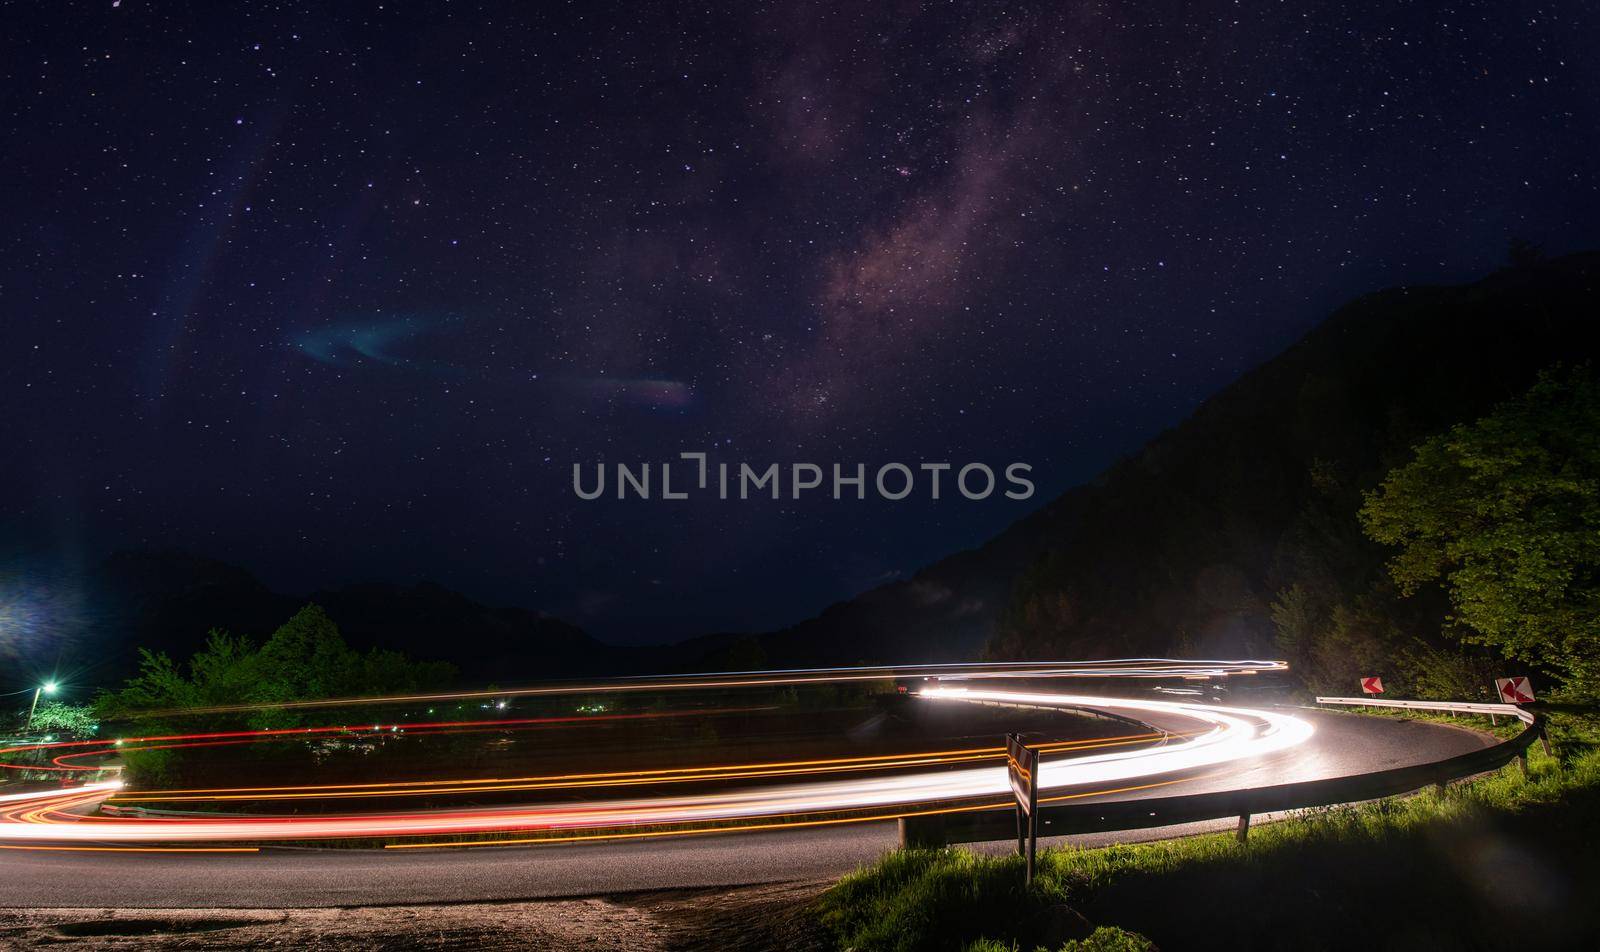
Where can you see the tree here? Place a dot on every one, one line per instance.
(1297, 617)
(76, 719)
(305, 659)
(1505, 513)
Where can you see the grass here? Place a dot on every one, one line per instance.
(1103, 939)
(1500, 856)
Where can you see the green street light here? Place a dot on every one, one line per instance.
(49, 687)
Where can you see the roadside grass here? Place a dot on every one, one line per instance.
(1496, 857)
(1103, 939)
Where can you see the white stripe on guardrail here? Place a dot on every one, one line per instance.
(1460, 707)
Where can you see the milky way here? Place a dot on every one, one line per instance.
(342, 291)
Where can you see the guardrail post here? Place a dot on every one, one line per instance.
(1522, 759)
(923, 832)
(1544, 737)
(1244, 827)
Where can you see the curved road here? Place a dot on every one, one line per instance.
(1343, 744)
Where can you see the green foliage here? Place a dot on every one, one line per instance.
(1262, 486)
(1505, 513)
(1103, 939)
(921, 899)
(1296, 616)
(1331, 641)
(1110, 939)
(1320, 880)
(305, 659)
(55, 716)
(1445, 674)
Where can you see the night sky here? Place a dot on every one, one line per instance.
(340, 291)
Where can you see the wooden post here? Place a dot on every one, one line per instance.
(1033, 810)
(1522, 758)
(1033, 846)
(1244, 827)
(1544, 737)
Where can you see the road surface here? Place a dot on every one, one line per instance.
(1343, 744)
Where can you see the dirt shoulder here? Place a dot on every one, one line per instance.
(755, 918)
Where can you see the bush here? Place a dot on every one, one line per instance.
(1103, 939)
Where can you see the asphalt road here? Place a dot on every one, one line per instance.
(1344, 744)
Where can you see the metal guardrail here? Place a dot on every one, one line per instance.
(941, 829)
(1454, 707)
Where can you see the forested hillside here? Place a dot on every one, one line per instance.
(1237, 532)
(1243, 519)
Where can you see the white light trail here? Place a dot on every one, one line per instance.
(1225, 735)
(1110, 668)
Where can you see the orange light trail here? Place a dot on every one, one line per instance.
(136, 849)
(616, 778)
(1233, 733)
(809, 792)
(786, 825)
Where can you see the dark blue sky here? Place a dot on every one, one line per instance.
(341, 291)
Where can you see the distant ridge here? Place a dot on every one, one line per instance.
(168, 601)
(1183, 545)
(1178, 548)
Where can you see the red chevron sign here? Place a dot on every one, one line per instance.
(1514, 690)
(1371, 685)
